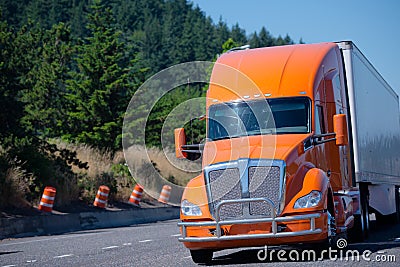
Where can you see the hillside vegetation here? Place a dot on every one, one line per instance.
(68, 70)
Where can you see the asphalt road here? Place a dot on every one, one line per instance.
(156, 244)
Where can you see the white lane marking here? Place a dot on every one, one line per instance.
(144, 241)
(188, 257)
(63, 256)
(176, 235)
(31, 261)
(127, 244)
(47, 239)
(8, 265)
(78, 234)
(110, 247)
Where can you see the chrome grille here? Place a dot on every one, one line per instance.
(225, 185)
(242, 179)
(264, 182)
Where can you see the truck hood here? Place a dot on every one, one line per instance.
(255, 147)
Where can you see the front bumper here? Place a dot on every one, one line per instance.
(274, 232)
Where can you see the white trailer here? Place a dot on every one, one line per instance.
(374, 130)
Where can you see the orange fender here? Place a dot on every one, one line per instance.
(315, 179)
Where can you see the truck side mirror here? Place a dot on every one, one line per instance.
(340, 128)
(180, 140)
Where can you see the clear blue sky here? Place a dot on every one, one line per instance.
(374, 25)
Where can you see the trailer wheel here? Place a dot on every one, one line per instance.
(364, 201)
(203, 256)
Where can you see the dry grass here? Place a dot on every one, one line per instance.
(15, 186)
(172, 169)
(98, 161)
(104, 167)
(102, 170)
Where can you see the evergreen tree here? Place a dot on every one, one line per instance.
(186, 43)
(222, 34)
(99, 91)
(44, 83)
(78, 18)
(288, 40)
(152, 43)
(107, 63)
(172, 32)
(239, 35)
(265, 38)
(10, 106)
(254, 41)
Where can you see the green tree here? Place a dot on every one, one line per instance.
(229, 44)
(20, 149)
(265, 38)
(44, 83)
(99, 91)
(78, 18)
(238, 34)
(19, 50)
(254, 41)
(221, 34)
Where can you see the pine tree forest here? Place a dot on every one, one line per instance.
(68, 69)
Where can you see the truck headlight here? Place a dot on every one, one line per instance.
(308, 201)
(190, 209)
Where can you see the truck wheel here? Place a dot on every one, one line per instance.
(356, 234)
(331, 241)
(202, 256)
(360, 230)
(364, 202)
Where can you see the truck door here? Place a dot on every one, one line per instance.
(340, 101)
(329, 157)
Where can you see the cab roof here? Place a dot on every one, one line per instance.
(279, 71)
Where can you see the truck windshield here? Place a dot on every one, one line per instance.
(266, 116)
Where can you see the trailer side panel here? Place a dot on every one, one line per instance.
(374, 109)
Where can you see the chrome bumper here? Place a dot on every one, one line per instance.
(248, 220)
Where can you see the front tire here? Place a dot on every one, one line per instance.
(332, 236)
(202, 256)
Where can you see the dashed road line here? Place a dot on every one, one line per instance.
(110, 247)
(47, 239)
(8, 265)
(127, 244)
(145, 241)
(176, 235)
(63, 256)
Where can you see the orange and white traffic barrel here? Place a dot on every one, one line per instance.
(101, 197)
(165, 193)
(136, 195)
(47, 200)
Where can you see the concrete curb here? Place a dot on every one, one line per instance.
(58, 224)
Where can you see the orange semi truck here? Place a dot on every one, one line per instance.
(303, 143)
